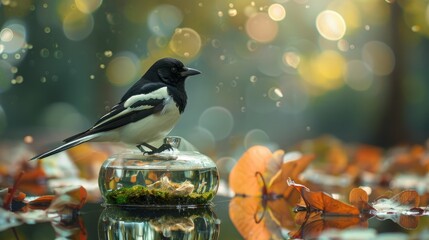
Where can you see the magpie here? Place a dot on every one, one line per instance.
(146, 113)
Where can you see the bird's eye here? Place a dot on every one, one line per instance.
(173, 69)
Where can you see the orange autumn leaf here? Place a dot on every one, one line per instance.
(321, 201)
(315, 223)
(41, 202)
(258, 166)
(368, 158)
(246, 214)
(243, 178)
(258, 218)
(359, 198)
(408, 198)
(290, 169)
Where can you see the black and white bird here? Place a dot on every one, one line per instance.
(146, 113)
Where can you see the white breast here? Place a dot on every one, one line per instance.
(152, 128)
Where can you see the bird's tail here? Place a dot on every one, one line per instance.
(65, 146)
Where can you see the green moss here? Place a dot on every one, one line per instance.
(140, 195)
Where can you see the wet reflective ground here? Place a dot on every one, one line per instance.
(97, 222)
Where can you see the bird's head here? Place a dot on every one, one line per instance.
(172, 71)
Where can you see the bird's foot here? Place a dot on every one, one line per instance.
(154, 150)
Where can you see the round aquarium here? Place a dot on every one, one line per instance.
(172, 179)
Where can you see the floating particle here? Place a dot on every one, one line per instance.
(108, 53)
(253, 79)
(19, 79)
(232, 12)
(44, 52)
(28, 139)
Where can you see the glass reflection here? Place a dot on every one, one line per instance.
(158, 223)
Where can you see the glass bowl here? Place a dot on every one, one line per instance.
(172, 179)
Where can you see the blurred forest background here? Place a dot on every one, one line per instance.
(274, 72)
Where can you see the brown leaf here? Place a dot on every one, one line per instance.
(409, 222)
(291, 169)
(408, 198)
(359, 198)
(323, 202)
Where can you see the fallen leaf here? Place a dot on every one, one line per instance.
(320, 201)
(315, 223)
(248, 216)
(244, 178)
(258, 218)
(359, 198)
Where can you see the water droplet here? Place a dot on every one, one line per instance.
(252, 45)
(215, 43)
(58, 54)
(232, 12)
(45, 5)
(19, 79)
(17, 56)
(233, 83)
(278, 104)
(13, 69)
(220, 14)
(253, 79)
(91, 76)
(44, 52)
(47, 30)
(102, 66)
(243, 109)
(43, 79)
(4, 56)
(217, 89)
(222, 57)
(108, 53)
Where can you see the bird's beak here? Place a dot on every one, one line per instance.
(189, 72)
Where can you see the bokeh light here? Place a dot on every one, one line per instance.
(123, 69)
(88, 6)
(77, 25)
(379, 57)
(358, 76)
(185, 42)
(164, 19)
(218, 120)
(61, 115)
(291, 59)
(277, 12)
(260, 27)
(324, 71)
(256, 137)
(331, 25)
(13, 36)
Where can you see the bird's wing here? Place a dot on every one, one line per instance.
(133, 109)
